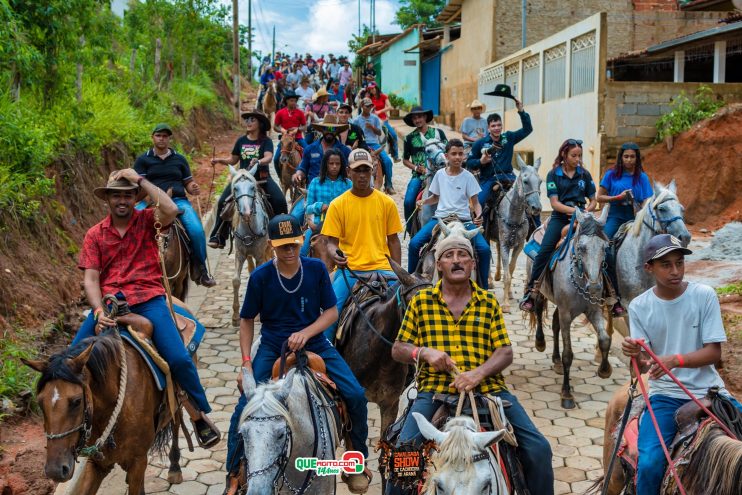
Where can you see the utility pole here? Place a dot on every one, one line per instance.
(373, 20)
(249, 40)
(523, 23)
(273, 53)
(359, 18)
(236, 58)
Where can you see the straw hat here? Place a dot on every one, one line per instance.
(330, 124)
(477, 104)
(114, 185)
(320, 92)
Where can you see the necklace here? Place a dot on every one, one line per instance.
(278, 274)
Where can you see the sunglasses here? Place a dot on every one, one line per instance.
(250, 120)
(574, 142)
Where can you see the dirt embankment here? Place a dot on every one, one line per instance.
(706, 162)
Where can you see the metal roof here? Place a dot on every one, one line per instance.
(451, 12)
(727, 28)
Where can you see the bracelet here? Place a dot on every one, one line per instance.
(415, 351)
(97, 312)
(246, 359)
(681, 361)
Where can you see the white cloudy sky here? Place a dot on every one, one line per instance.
(318, 27)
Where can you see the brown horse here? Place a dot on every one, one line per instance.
(369, 355)
(178, 265)
(289, 160)
(712, 462)
(80, 396)
(269, 100)
(378, 172)
(318, 249)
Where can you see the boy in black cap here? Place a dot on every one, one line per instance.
(672, 318)
(294, 297)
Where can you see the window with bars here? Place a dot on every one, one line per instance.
(555, 67)
(582, 78)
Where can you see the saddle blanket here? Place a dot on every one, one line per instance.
(191, 345)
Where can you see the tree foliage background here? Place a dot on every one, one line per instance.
(419, 12)
(43, 45)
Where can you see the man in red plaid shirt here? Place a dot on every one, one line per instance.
(120, 256)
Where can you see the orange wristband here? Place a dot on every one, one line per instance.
(681, 361)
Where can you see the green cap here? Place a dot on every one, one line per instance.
(163, 128)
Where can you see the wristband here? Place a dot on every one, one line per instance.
(415, 351)
(97, 312)
(681, 361)
(246, 359)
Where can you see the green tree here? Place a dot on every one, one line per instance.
(418, 12)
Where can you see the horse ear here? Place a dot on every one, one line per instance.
(446, 230)
(657, 188)
(288, 382)
(403, 275)
(486, 438)
(604, 215)
(537, 164)
(36, 365)
(673, 187)
(77, 363)
(248, 383)
(470, 234)
(521, 163)
(429, 431)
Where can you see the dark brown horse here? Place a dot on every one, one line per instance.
(80, 395)
(369, 354)
(178, 265)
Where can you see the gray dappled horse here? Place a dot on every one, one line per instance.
(435, 152)
(250, 230)
(277, 427)
(575, 287)
(520, 203)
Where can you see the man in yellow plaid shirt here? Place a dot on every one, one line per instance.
(458, 323)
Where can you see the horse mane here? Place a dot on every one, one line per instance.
(590, 226)
(265, 402)
(104, 354)
(655, 200)
(715, 465)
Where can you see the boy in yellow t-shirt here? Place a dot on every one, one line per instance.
(364, 224)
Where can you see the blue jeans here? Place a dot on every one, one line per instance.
(614, 222)
(304, 251)
(386, 164)
(342, 292)
(533, 452)
(393, 145)
(548, 244)
(192, 225)
(410, 198)
(299, 211)
(167, 342)
(652, 463)
(481, 246)
(337, 369)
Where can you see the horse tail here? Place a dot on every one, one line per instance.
(542, 306)
(596, 487)
(163, 439)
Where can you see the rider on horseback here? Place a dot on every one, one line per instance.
(455, 191)
(414, 156)
(295, 301)
(475, 127)
(169, 170)
(120, 256)
(456, 323)
(254, 151)
(353, 137)
(289, 119)
(681, 322)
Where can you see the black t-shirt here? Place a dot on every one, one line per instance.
(247, 149)
(355, 135)
(170, 173)
(574, 190)
(369, 72)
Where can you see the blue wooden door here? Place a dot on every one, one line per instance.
(431, 84)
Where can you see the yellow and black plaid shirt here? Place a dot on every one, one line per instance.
(470, 341)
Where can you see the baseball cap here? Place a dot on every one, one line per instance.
(660, 245)
(163, 128)
(366, 102)
(284, 229)
(359, 157)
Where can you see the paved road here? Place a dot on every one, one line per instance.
(576, 436)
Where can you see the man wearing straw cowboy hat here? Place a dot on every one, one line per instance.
(475, 127)
(120, 256)
(311, 161)
(414, 156)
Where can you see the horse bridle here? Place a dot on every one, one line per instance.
(247, 240)
(576, 262)
(86, 425)
(664, 223)
(281, 460)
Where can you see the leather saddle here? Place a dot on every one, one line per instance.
(375, 287)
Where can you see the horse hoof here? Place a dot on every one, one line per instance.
(605, 373)
(498, 277)
(540, 345)
(506, 308)
(235, 323)
(558, 368)
(568, 403)
(174, 477)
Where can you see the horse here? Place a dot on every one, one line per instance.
(270, 101)
(283, 421)
(368, 351)
(456, 227)
(459, 465)
(250, 230)
(86, 390)
(177, 259)
(711, 462)
(575, 286)
(435, 152)
(289, 160)
(662, 214)
(513, 213)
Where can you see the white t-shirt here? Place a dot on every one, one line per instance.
(680, 326)
(453, 193)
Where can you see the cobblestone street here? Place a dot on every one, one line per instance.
(576, 436)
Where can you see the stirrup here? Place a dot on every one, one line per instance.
(527, 303)
(206, 437)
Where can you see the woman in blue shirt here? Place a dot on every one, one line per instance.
(331, 183)
(626, 187)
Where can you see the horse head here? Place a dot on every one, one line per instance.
(245, 191)
(459, 462)
(588, 253)
(666, 211)
(266, 428)
(528, 185)
(410, 283)
(435, 151)
(458, 228)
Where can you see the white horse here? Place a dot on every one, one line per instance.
(464, 463)
(250, 230)
(435, 152)
(521, 202)
(277, 427)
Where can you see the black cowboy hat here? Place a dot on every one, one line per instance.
(502, 90)
(290, 94)
(418, 111)
(265, 122)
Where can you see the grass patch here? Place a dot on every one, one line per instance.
(731, 289)
(16, 379)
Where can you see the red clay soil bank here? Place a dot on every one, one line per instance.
(706, 163)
